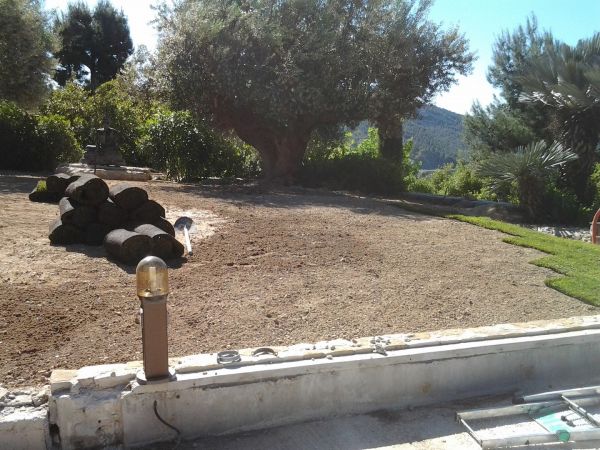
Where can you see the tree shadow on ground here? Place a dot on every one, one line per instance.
(19, 183)
(295, 197)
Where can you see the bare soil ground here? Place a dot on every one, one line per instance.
(268, 269)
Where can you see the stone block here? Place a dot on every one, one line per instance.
(61, 380)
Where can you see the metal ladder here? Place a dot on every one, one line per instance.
(577, 425)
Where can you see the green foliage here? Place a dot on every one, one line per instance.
(436, 135)
(343, 163)
(17, 137)
(266, 69)
(460, 180)
(111, 101)
(530, 168)
(71, 103)
(354, 172)
(34, 142)
(565, 81)
(177, 147)
(175, 143)
(25, 43)
(595, 182)
(495, 128)
(577, 262)
(56, 142)
(550, 91)
(96, 41)
(41, 186)
(87, 112)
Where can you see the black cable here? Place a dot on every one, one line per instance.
(164, 422)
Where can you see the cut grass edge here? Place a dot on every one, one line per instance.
(577, 262)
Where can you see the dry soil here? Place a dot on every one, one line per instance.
(281, 267)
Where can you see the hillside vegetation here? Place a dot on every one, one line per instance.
(436, 134)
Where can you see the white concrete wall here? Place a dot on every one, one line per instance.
(104, 405)
(261, 397)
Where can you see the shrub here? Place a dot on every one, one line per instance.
(35, 143)
(531, 168)
(56, 142)
(460, 180)
(183, 148)
(71, 103)
(354, 172)
(175, 145)
(17, 137)
(233, 159)
(87, 112)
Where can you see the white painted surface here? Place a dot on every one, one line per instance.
(24, 428)
(229, 400)
(260, 397)
(104, 406)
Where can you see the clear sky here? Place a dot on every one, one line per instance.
(480, 20)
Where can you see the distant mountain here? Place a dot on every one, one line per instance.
(436, 133)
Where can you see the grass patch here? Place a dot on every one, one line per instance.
(578, 262)
(41, 186)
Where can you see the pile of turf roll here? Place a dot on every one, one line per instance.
(122, 218)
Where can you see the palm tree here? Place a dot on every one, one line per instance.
(529, 168)
(566, 81)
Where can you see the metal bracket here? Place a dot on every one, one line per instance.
(228, 357)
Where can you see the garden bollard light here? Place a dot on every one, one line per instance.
(153, 289)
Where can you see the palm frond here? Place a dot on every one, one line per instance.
(533, 160)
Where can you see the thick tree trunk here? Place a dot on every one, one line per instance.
(390, 141)
(284, 164)
(281, 154)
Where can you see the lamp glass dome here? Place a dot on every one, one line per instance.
(152, 277)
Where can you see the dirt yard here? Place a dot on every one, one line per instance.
(279, 268)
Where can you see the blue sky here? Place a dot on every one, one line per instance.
(480, 20)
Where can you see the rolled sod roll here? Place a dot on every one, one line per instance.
(44, 196)
(164, 245)
(164, 225)
(73, 213)
(148, 212)
(128, 247)
(88, 190)
(128, 197)
(59, 181)
(111, 214)
(64, 234)
(95, 233)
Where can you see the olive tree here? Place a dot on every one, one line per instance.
(274, 71)
(25, 46)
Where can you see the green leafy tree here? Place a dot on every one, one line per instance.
(495, 128)
(565, 81)
(529, 168)
(25, 45)
(275, 71)
(93, 44)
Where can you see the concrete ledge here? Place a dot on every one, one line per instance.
(124, 173)
(25, 428)
(104, 405)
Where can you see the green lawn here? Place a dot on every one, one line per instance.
(578, 262)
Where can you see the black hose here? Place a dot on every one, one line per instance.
(164, 422)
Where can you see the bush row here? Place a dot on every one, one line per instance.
(346, 165)
(34, 142)
(461, 180)
(149, 135)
